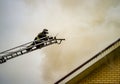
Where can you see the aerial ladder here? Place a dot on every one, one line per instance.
(27, 47)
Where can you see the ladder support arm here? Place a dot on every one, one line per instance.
(15, 53)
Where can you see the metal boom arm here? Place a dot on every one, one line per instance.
(22, 49)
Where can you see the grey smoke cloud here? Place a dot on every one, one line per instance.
(87, 25)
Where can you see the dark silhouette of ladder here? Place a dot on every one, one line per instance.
(22, 49)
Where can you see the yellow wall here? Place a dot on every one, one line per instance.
(107, 73)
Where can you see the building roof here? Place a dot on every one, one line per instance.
(84, 69)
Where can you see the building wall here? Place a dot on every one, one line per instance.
(107, 73)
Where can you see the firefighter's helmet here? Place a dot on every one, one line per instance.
(45, 31)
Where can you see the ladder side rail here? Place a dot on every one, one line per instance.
(15, 53)
(24, 50)
(20, 46)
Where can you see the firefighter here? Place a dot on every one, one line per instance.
(42, 36)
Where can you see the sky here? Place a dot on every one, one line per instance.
(87, 25)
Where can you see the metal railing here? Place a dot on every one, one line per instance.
(27, 47)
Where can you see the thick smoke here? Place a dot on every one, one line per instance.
(88, 27)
